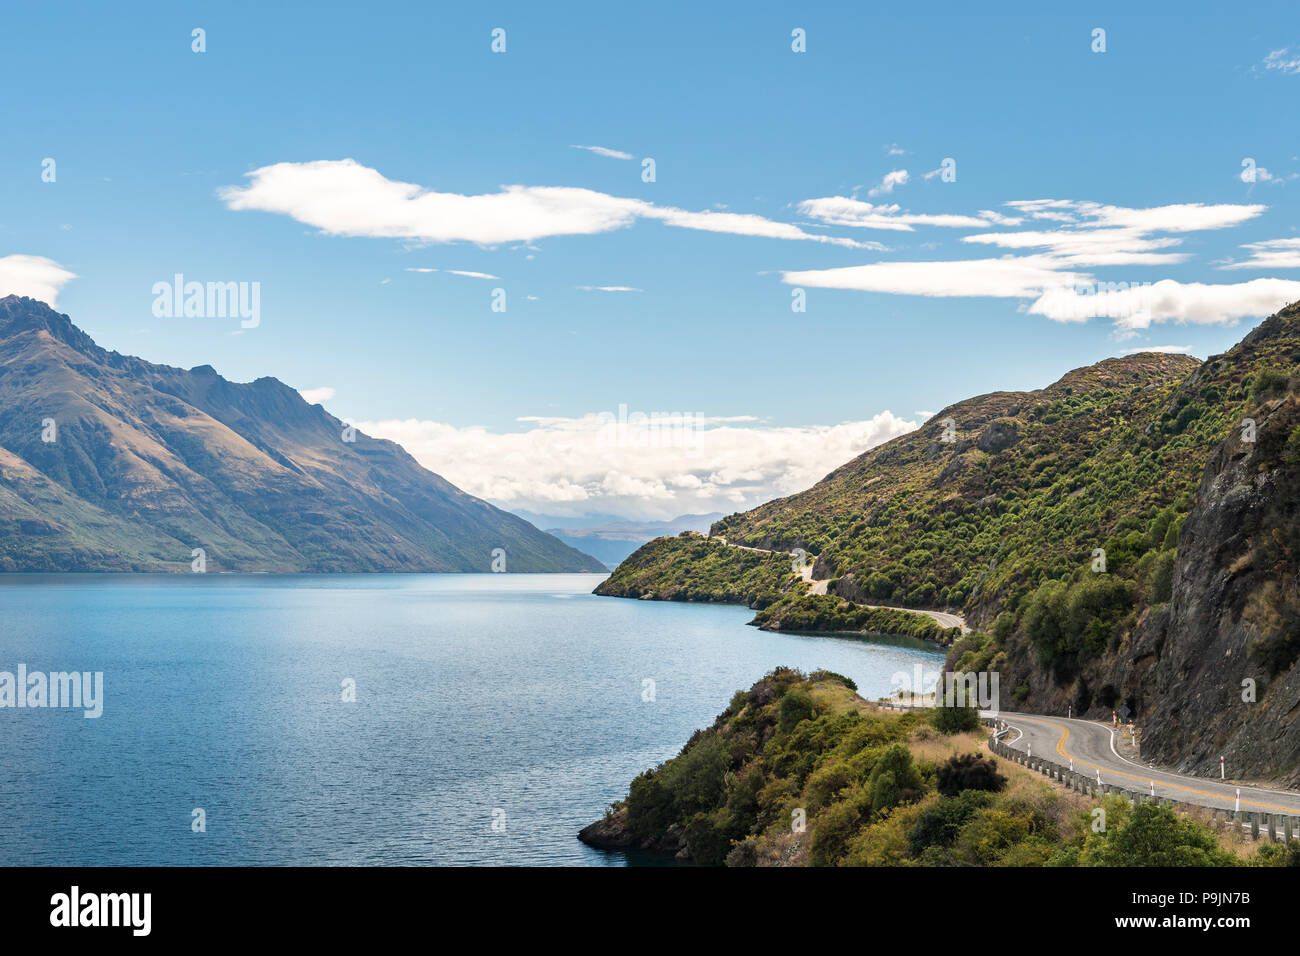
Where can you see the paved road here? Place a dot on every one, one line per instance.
(819, 587)
(1091, 745)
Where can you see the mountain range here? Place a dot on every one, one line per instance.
(112, 463)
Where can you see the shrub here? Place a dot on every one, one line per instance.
(796, 706)
(831, 675)
(833, 828)
(894, 779)
(1268, 382)
(955, 720)
(968, 772)
(939, 823)
(1155, 836)
(1162, 577)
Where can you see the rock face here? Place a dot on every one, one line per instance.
(1234, 615)
(112, 463)
(998, 435)
(612, 833)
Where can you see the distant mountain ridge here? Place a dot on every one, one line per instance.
(613, 540)
(112, 463)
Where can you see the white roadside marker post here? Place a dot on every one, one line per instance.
(1236, 807)
(1153, 788)
(1221, 777)
(1071, 765)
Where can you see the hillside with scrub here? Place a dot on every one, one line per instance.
(800, 771)
(1074, 526)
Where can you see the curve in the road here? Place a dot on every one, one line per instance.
(818, 586)
(1093, 748)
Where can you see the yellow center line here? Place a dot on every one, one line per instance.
(1060, 749)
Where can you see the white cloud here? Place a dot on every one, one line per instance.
(1004, 278)
(316, 396)
(1198, 303)
(1269, 254)
(1283, 60)
(1181, 217)
(458, 272)
(608, 288)
(344, 198)
(1093, 247)
(741, 224)
(1262, 175)
(843, 211)
(997, 219)
(592, 464)
(1090, 235)
(33, 276)
(1093, 234)
(895, 177)
(603, 151)
(893, 149)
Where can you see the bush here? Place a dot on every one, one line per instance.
(796, 706)
(894, 779)
(833, 828)
(1162, 577)
(1269, 381)
(1155, 836)
(831, 675)
(941, 822)
(968, 772)
(955, 720)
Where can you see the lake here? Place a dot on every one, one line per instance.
(495, 715)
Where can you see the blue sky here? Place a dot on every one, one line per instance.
(149, 138)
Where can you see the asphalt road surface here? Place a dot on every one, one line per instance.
(1091, 746)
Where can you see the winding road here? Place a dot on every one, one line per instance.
(943, 618)
(1092, 747)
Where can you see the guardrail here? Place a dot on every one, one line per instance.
(1275, 826)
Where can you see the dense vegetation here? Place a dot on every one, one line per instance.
(800, 771)
(1051, 519)
(690, 567)
(826, 613)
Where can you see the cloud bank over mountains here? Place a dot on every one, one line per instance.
(615, 463)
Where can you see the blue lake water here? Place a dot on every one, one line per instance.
(479, 698)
